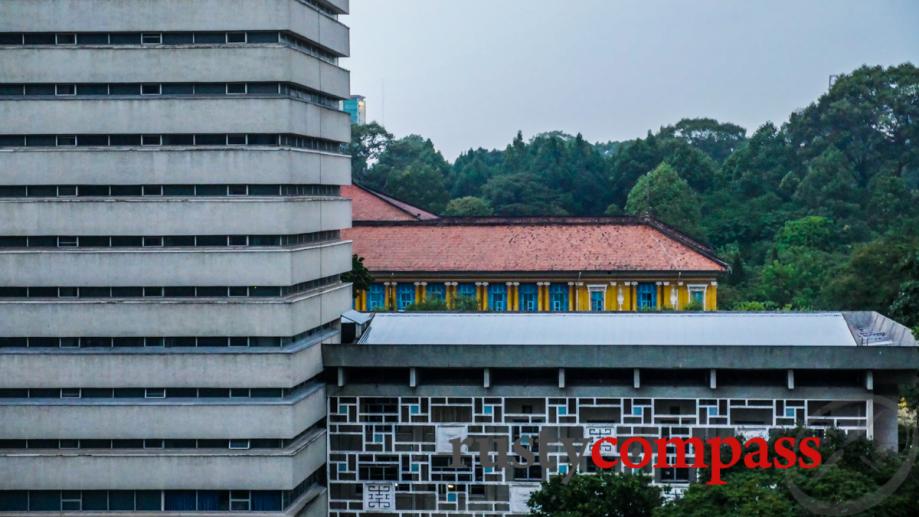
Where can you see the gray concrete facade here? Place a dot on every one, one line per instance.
(412, 383)
(221, 407)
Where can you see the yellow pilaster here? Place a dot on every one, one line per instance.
(485, 297)
(660, 296)
(513, 292)
(583, 298)
(540, 306)
(610, 298)
(571, 301)
(711, 294)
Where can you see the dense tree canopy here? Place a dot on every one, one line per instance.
(845, 167)
(664, 195)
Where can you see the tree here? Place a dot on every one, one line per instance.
(412, 170)
(667, 197)
(368, 142)
(468, 206)
(419, 184)
(472, 170)
(869, 116)
(829, 187)
(866, 281)
(521, 194)
(802, 263)
(905, 306)
(716, 139)
(607, 494)
(690, 163)
(359, 276)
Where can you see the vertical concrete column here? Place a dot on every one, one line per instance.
(341, 377)
(790, 379)
(885, 422)
(713, 379)
(869, 380)
(636, 378)
(486, 378)
(561, 378)
(412, 377)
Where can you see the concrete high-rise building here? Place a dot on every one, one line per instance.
(170, 252)
(356, 108)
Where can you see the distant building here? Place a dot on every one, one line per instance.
(527, 264)
(356, 106)
(414, 382)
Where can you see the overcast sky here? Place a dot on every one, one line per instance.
(470, 73)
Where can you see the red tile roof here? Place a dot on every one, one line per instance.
(369, 205)
(529, 244)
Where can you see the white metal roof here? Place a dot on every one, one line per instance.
(712, 329)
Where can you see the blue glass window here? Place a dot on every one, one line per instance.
(529, 297)
(647, 296)
(558, 297)
(405, 295)
(596, 301)
(697, 295)
(466, 291)
(436, 292)
(497, 297)
(376, 297)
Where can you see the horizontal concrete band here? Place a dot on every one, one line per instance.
(172, 216)
(173, 317)
(162, 419)
(193, 369)
(658, 392)
(232, 114)
(622, 356)
(186, 166)
(173, 266)
(174, 15)
(163, 469)
(172, 65)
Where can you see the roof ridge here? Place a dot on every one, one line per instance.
(398, 204)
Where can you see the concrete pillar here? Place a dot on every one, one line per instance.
(486, 378)
(341, 376)
(869, 380)
(790, 379)
(412, 377)
(885, 423)
(561, 378)
(712, 379)
(636, 378)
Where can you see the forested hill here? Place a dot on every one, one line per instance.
(820, 212)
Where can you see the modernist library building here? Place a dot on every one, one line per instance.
(412, 382)
(170, 253)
